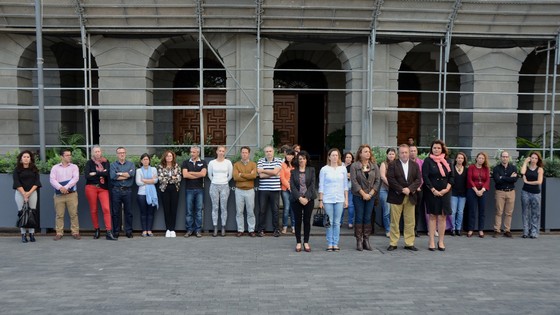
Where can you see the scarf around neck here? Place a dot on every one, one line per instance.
(99, 163)
(440, 159)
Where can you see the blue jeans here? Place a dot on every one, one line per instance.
(146, 213)
(194, 200)
(350, 209)
(288, 211)
(333, 210)
(121, 197)
(386, 209)
(531, 213)
(457, 208)
(474, 202)
(363, 210)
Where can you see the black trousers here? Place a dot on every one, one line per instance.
(268, 199)
(170, 198)
(303, 212)
(419, 209)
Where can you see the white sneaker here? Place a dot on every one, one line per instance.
(172, 234)
(167, 233)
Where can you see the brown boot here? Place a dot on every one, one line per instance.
(358, 232)
(367, 232)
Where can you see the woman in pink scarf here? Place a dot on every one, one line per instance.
(438, 179)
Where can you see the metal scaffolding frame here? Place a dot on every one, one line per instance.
(265, 24)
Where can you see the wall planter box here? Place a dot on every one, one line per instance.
(8, 214)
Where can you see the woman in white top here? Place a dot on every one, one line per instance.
(220, 171)
(333, 195)
(146, 178)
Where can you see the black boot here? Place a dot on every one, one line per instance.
(96, 234)
(109, 236)
(215, 231)
(367, 231)
(32, 237)
(24, 238)
(358, 232)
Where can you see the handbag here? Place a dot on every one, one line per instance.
(27, 217)
(320, 218)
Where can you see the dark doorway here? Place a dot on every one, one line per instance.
(312, 124)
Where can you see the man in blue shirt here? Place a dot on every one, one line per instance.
(122, 178)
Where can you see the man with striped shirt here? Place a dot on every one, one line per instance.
(268, 169)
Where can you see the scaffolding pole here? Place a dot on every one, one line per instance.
(553, 96)
(200, 76)
(40, 79)
(83, 41)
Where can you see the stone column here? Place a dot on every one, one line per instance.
(124, 80)
(16, 126)
(497, 72)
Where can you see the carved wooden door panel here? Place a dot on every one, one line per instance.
(408, 122)
(187, 122)
(286, 118)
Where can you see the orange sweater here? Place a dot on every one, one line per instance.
(285, 176)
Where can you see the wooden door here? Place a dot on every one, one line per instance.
(286, 117)
(187, 122)
(408, 122)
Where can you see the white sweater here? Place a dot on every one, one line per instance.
(220, 172)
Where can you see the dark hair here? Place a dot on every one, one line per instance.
(289, 152)
(305, 155)
(443, 147)
(143, 156)
(359, 153)
(351, 154)
(387, 152)
(539, 156)
(465, 162)
(163, 161)
(32, 165)
(245, 147)
(61, 152)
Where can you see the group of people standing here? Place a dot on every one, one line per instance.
(405, 185)
(442, 188)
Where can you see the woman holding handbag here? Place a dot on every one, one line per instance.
(26, 182)
(333, 195)
(146, 178)
(364, 174)
(302, 184)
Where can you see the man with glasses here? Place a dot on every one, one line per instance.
(63, 178)
(122, 177)
(505, 176)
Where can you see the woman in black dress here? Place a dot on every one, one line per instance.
(438, 178)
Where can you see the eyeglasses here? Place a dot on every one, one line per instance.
(121, 152)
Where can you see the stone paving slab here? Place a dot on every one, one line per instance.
(230, 275)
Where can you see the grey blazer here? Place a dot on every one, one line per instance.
(359, 180)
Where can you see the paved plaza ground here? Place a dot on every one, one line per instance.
(230, 275)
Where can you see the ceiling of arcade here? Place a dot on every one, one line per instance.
(490, 23)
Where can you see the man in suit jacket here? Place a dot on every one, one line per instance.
(404, 179)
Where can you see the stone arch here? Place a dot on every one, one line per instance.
(175, 53)
(423, 62)
(329, 106)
